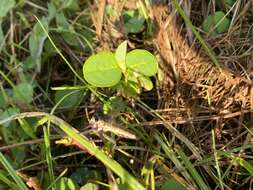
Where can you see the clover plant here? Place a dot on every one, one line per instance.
(217, 20)
(132, 70)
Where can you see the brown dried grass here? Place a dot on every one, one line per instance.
(197, 81)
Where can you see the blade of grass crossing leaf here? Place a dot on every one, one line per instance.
(57, 179)
(12, 172)
(60, 101)
(194, 173)
(217, 161)
(93, 150)
(190, 25)
(78, 35)
(49, 159)
(59, 52)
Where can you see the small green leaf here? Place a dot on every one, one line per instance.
(72, 100)
(71, 5)
(66, 30)
(114, 105)
(3, 101)
(132, 88)
(36, 42)
(120, 55)
(6, 6)
(133, 21)
(66, 184)
(102, 70)
(142, 61)
(19, 155)
(110, 10)
(135, 24)
(145, 82)
(2, 39)
(7, 113)
(217, 20)
(9, 129)
(83, 175)
(222, 21)
(51, 10)
(172, 184)
(27, 128)
(90, 186)
(23, 92)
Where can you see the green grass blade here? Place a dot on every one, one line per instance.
(243, 163)
(48, 154)
(93, 150)
(4, 178)
(217, 161)
(59, 52)
(12, 172)
(198, 36)
(194, 173)
(171, 154)
(57, 179)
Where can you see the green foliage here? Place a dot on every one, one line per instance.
(27, 128)
(120, 56)
(114, 105)
(7, 113)
(104, 69)
(134, 22)
(217, 22)
(142, 62)
(172, 184)
(66, 30)
(68, 98)
(65, 183)
(110, 11)
(5, 7)
(36, 42)
(67, 4)
(4, 177)
(89, 186)
(12, 172)
(125, 176)
(145, 82)
(2, 40)
(23, 92)
(3, 101)
(84, 175)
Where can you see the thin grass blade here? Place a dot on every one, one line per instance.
(12, 172)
